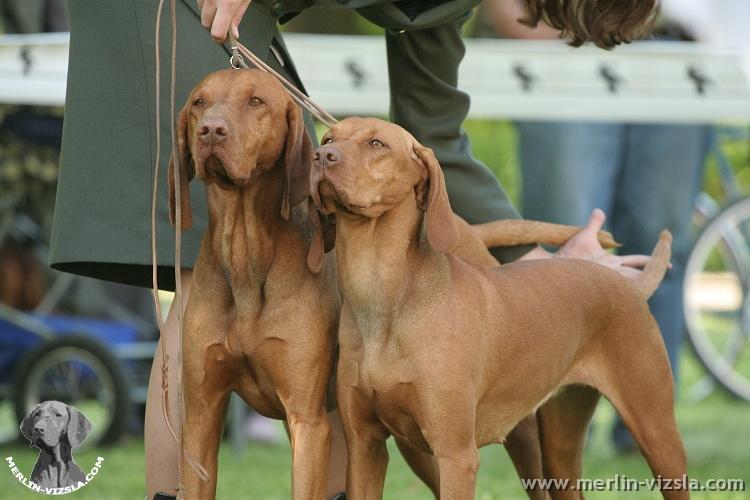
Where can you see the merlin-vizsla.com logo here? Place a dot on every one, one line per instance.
(56, 429)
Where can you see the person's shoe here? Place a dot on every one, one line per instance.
(340, 496)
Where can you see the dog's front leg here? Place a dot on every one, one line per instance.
(449, 430)
(423, 464)
(367, 454)
(205, 397)
(311, 443)
(458, 474)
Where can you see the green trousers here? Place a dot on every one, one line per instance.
(102, 215)
(423, 75)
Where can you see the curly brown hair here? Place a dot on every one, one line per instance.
(604, 22)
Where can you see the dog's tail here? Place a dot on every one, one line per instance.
(513, 232)
(656, 266)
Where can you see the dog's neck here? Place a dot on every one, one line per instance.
(243, 224)
(57, 458)
(55, 453)
(377, 259)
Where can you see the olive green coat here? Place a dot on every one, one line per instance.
(102, 215)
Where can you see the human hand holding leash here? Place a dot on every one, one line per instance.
(221, 16)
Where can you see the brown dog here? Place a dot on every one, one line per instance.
(449, 356)
(258, 322)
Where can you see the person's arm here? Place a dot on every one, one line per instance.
(221, 15)
(504, 15)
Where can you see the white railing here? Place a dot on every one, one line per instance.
(655, 81)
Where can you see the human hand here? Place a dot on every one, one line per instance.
(585, 245)
(221, 16)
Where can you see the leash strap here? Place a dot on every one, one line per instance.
(236, 61)
(200, 471)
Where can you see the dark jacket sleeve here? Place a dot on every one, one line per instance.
(423, 72)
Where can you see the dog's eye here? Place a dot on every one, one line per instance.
(255, 101)
(199, 102)
(376, 143)
(327, 140)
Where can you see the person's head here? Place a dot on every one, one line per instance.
(604, 22)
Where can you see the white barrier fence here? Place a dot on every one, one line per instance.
(647, 82)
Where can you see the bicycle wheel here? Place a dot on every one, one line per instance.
(715, 292)
(81, 372)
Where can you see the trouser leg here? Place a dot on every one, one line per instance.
(661, 176)
(568, 169)
(162, 452)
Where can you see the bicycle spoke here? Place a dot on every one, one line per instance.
(735, 345)
(737, 242)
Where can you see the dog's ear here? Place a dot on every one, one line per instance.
(298, 155)
(27, 425)
(432, 196)
(79, 427)
(187, 171)
(323, 238)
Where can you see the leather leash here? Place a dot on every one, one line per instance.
(200, 471)
(236, 61)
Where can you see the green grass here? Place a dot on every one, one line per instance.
(715, 433)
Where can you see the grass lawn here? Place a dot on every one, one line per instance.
(715, 430)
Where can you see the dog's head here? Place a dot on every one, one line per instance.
(235, 125)
(366, 166)
(51, 423)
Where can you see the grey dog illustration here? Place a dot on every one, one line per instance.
(56, 429)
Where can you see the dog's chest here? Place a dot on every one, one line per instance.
(389, 382)
(254, 324)
(249, 356)
(263, 337)
(53, 476)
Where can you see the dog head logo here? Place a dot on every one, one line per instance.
(56, 429)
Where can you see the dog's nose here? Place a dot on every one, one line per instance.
(39, 429)
(213, 129)
(325, 156)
